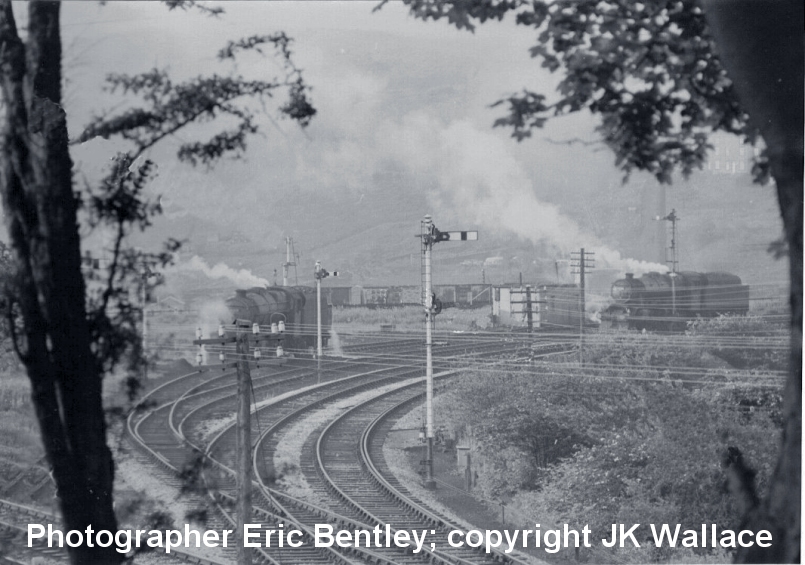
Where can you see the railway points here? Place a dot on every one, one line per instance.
(201, 395)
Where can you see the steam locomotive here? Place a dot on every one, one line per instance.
(295, 306)
(658, 301)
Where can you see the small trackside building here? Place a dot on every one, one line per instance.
(552, 307)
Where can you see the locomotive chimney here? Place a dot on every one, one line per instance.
(629, 275)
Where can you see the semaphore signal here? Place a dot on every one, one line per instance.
(430, 235)
(455, 235)
(320, 273)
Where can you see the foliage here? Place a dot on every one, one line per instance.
(119, 201)
(66, 339)
(634, 437)
(169, 107)
(648, 69)
(20, 443)
(760, 340)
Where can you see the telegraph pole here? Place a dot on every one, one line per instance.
(584, 261)
(430, 235)
(243, 477)
(529, 313)
(288, 262)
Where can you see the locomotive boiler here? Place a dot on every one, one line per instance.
(295, 306)
(658, 301)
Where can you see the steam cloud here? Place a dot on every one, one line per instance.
(210, 316)
(241, 277)
(477, 177)
(482, 180)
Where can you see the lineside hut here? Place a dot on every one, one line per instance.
(553, 307)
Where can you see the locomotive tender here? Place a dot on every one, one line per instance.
(665, 300)
(295, 306)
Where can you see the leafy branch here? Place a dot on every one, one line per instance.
(120, 203)
(648, 69)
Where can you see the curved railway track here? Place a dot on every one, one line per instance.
(173, 428)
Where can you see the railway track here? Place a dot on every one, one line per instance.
(14, 548)
(14, 518)
(169, 432)
(360, 491)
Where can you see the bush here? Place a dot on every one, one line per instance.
(635, 436)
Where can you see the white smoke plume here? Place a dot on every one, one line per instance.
(335, 344)
(482, 179)
(210, 316)
(479, 179)
(242, 278)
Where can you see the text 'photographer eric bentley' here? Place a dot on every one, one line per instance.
(506, 541)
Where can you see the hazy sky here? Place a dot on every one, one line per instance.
(396, 97)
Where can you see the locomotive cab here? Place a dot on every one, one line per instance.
(626, 290)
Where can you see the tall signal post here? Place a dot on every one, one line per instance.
(243, 480)
(582, 261)
(430, 235)
(320, 274)
(672, 261)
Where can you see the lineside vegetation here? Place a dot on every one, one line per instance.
(634, 436)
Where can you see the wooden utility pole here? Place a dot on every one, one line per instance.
(528, 303)
(584, 261)
(243, 480)
(289, 254)
(582, 307)
(529, 311)
(243, 428)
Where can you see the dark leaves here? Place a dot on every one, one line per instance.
(190, 4)
(779, 248)
(169, 107)
(157, 108)
(648, 69)
(279, 41)
(460, 13)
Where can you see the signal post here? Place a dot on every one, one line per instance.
(320, 274)
(243, 481)
(430, 235)
(672, 261)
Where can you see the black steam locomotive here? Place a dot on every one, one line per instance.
(294, 306)
(663, 301)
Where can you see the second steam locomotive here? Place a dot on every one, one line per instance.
(665, 300)
(295, 306)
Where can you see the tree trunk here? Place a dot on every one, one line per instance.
(761, 46)
(41, 213)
